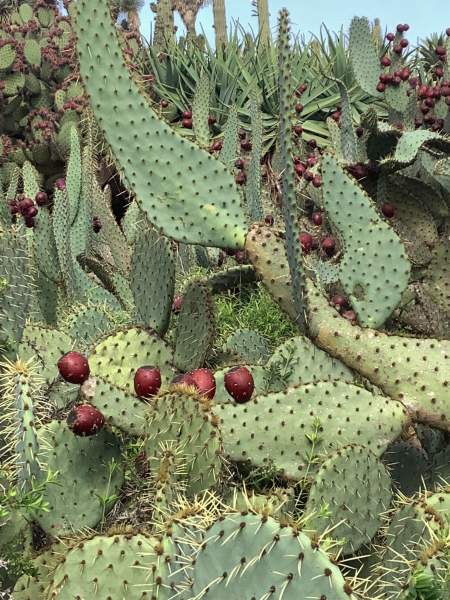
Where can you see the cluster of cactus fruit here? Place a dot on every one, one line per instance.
(137, 460)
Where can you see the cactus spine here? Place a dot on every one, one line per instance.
(220, 23)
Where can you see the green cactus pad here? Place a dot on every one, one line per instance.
(200, 110)
(356, 487)
(253, 556)
(88, 468)
(32, 53)
(248, 346)
(33, 587)
(414, 371)
(185, 192)
(374, 270)
(195, 327)
(266, 252)
(132, 567)
(86, 323)
(117, 355)
(184, 417)
(119, 407)
(297, 361)
(278, 501)
(276, 428)
(409, 467)
(228, 154)
(152, 279)
(48, 344)
(410, 531)
(253, 188)
(364, 56)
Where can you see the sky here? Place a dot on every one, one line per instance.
(424, 16)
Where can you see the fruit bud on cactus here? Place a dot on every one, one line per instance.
(41, 198)
(177, 304)
(85, 420)
(388, 210)
(306, 242)
(205, 382)
(74, 367)
(239, 384)
(60, 184)
(147, 381)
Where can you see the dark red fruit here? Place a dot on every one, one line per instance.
(381, 87)
(386, 61)
(300, 169)
(298, 129)
(31, 212)
(239, 384)
(24, 205)
(390, 37)
(41, 198)
(397, 49)
(350, 315)
(306, 242)
(447, 31)
(239, 163)
(316, 181)
(311, 161)
(164, 103)
(211, 120)
(441, 50)
(388, 210)
(340, 302)
(360, 131)
(96, 224)
(269, 220)
(217, 146)
(246, 145)
(187, 123)
(404, 43)
(240, 178)
(404, 74)
(177, 304)
(60, 184)
(187, 114)
(184, 379)
(317, 218)
(299, 108)
(329, 245)
(312, 143)
(308, 175)
(241, 257)
(147, 381)
(74, 367)
(85, 420)
(205, 382)
(29, 222)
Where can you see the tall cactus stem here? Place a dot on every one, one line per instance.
(289, 205)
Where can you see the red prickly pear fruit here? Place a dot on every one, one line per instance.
(405, 74)
(300, 169)
(240, 178)
(217, 146)
(308, 176)
(317, 218)
(390, 37)
(316, 181)
(205, 382)
(350, 315)
(177, 304)
(381, 87)
(96, 224)
(360, 131)
(246, 145)
(312, 143)
(85, 420)
(187, 114)
(239, 384)
(187, 123)
(404, 43)
(400, 28)
(41, 198)
(29, 222)
(31, 212)
(74, 367)
(388, 210)
(306, 242)
(239, 163)
(299, 108)
(386, 61)
(329, 245)
(339, 302)
(14, 207)
(211, 120)
(241, 257)
(147, 381)
(60, 184)
(298, 129)
(447, 31)
(164, 103)
(397, 49)
(269, 220)
(24, 205)
(311, 161)
(184, 379)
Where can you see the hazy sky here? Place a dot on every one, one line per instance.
(425, 16)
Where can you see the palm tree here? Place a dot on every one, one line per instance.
(188, 10)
